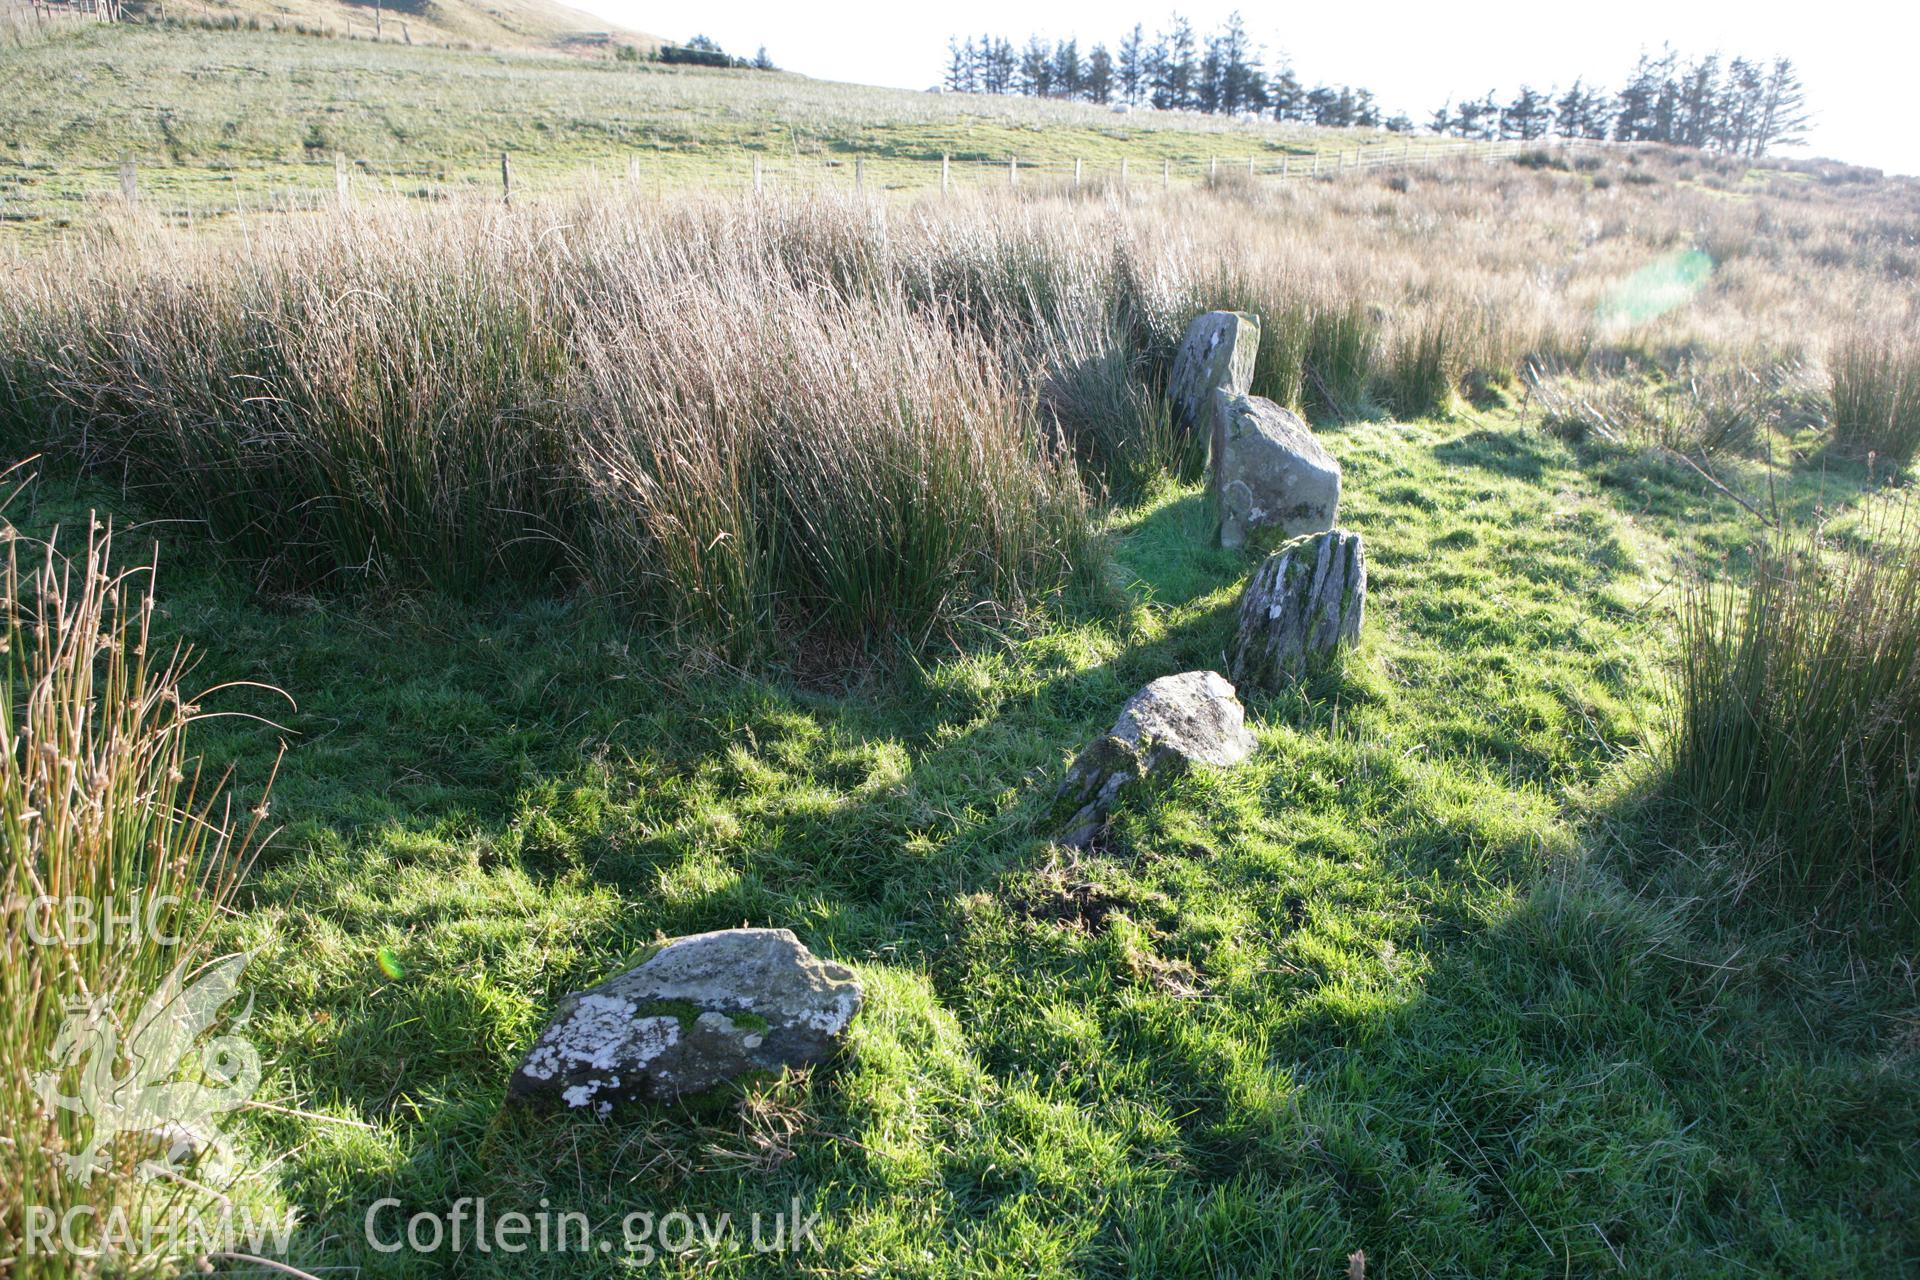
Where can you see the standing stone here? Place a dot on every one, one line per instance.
(1217, 355)
(703, 1010)
(1305, 600)
(1171, 724)
(1269, 471)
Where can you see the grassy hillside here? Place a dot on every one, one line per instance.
(218, 120)
(497, 24)
(493, 23)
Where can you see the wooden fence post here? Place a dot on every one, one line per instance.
(1252, 172)
(946, 174)
(129, 182)
(340, 179)
(1013, 171)
(1076, 173)
(1213, 168)
(859, 173)
(506, 179)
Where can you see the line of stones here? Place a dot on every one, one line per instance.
(1268, 479)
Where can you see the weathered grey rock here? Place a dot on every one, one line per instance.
(1174, 722)
(1304, 601)
(1269, 471)
(703, 1010)
(1216, 355)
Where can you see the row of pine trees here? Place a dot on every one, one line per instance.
(1741, 106)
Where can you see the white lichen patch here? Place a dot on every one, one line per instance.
(831, 1019)
(600, 1034)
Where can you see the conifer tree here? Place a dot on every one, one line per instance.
(1242, 85)
(1002, 68)
(1175, 67)
(1285, 95)
(1098, 86)
(1035, 76)
(1527, 116)
(1066, 78)
(1130, 72)
(1783, 116)
(960, 66)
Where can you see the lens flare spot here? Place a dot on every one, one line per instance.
(1666, 283)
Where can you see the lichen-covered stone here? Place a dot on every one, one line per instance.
(1269, 472)
(1216, 355)
(1174, 722)
(703, 1010)
(1305, 600)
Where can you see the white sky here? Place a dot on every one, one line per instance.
(1860, 61)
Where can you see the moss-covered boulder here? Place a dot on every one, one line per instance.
(702, 1011)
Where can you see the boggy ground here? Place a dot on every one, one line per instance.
(1430, 978)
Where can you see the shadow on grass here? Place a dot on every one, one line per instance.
(1360, 995)
(867, 822)
(1513, 454)
(1169, 554)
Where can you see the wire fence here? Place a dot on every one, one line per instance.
(189, 191)
(760, 172)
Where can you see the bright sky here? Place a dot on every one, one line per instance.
(1857, 59)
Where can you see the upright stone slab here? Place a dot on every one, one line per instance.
(1174, 722)
(703, 1010)
(1269, 471)
(1217, 355)
(1305, 600)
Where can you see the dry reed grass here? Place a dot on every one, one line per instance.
(772, 415)
(117, 853)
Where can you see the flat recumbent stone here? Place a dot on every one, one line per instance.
(703, 1010)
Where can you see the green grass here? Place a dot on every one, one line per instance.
(224, 120)
(1428, 978)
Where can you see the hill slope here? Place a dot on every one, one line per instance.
(496, 23)
(221, 119)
